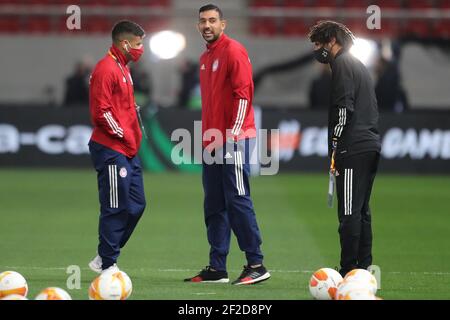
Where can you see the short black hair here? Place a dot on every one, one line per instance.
(325, 30)
(126, 27)
(211, 7)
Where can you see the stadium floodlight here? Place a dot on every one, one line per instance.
(365, 50)
(167, 44)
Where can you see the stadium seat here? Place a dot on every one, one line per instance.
(419, 4)
(263, 26)
(418, 27)
(444, 4)
(37, 24)
(441, 29)
(355, 4)
(153, 24)
(263, 3)
(9, 24)
(388, 4)
(96, 24)
(296, 3)
(325, 3)
(295, 27)
(96, 2)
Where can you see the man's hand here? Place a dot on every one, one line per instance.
(333, 165)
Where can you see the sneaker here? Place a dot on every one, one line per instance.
(96, 264)
(209, 276)
(252, 275)
(114, 268)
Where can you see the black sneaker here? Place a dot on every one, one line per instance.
(252, 275)
(209, 276)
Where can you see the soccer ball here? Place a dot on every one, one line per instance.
(354, 290)
(323, 283)
(358, 294)
(363, 276)
(14, 297)
(53, 293)
(345, 287)
(12, 282)
(111, 286)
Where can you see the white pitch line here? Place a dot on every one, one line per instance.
(203, 293)
(437, 273)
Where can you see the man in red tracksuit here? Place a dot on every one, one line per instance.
(229, 133)
(114, 144)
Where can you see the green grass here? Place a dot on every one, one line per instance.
(48, 221)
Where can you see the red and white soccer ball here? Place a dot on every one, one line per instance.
(12, 282)
(324, 283)
(53, 293)
(364, 277)
(354, 290)
(111, 286)
(14, 297)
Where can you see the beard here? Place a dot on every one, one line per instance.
(211, 36)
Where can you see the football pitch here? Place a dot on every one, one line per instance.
(49, 221)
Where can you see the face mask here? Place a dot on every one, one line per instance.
(322, 55)
(135, 54)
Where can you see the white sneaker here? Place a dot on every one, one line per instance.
(113, 269)
(96, 264)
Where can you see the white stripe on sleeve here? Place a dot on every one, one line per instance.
(113, 124)
(240, 116)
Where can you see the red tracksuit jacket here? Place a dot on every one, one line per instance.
(112, 105)
(226, 85)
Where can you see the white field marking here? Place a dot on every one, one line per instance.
(437, 273)
(203, 293)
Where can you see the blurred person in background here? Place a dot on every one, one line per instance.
(188, 95)
(77, 85)
(227, 92)
(142, 84)
(390, 93)
(320, 89)
(354, 140)
(114, 144)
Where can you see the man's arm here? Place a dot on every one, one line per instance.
(102, 85)
(241, 82)
(343, 97)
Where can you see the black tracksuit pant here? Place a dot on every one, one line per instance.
(354, 182)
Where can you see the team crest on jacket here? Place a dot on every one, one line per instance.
(123, 172)
(215, 65)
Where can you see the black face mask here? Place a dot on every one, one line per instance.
(322, 55)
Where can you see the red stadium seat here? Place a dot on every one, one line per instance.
(355, 3)
(263, 26)
(418, 27)
(388, 4)
(9, 24)
(419, 4)
(444, 4)
(441, 29)
(296, 3)
(263, 3)
(295, 27)
(37, 24)
(325, 3)
(96, 2)
(96, 24)
(151, 25)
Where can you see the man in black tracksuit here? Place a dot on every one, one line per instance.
(354, 141)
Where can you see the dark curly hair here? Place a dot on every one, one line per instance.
(324, 31)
